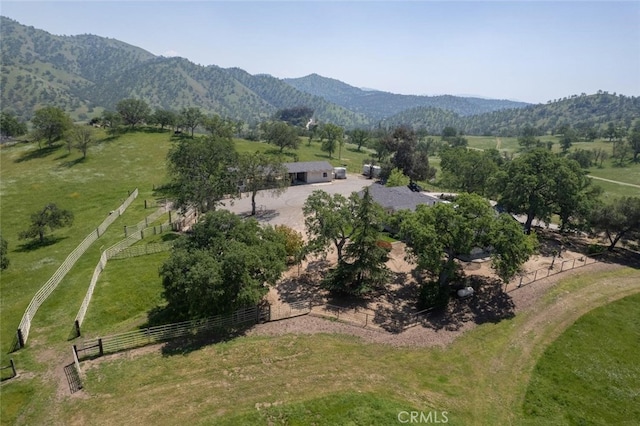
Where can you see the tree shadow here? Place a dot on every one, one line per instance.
(38, 153)
(292, 290)
(37, 244)
(69, 164)
(186, 345)
(260, 216)
(399, 303)
(325, 156)
(489, 304)
(63, 156)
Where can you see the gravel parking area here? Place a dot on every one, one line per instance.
(286, 209)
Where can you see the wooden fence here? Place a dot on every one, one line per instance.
(144, 223)
(46, 290)
(142, 250)
(12, 367)
(118, 342)
(110, 253)
(389, 321)
(556, 268)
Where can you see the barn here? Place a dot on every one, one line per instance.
(309, 172)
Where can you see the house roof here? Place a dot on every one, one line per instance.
(308, 166)
(400, 197)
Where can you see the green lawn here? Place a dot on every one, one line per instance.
(598, 355)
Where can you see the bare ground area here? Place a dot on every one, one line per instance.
(386, 317)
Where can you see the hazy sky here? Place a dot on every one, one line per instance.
(528, 51)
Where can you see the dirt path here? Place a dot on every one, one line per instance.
(614, 181)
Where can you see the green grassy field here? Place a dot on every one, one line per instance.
(596, 356)
(327, 377)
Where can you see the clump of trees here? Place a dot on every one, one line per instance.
(50, 124)
(224, 264)
(352, 226)
(437, 236)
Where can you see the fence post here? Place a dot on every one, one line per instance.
(20, 339)
(98, 232)
(77, 323)
(13, 368)
(100, 348)
(574, 263)
(75, 350)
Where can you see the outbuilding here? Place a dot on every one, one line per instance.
(309, 172)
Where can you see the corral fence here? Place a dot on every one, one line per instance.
(131, 229)
(288, 310)
(375, 320)
(555, 268)
(13, 373)
(45, 291)
(113, 252)
(119, 342)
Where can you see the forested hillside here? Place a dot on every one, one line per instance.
(86, 73)
(581, 112)
(378, 105)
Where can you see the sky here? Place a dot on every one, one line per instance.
(533, 51)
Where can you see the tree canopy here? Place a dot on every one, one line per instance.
(50, 123)
(436, 236)
(539, 183)
(281, 134)
(362, 269)
(133, 111)
(617, 219)
(47, 220)
(329, 220)
(203, 171)
(226, 263)
(10, 126)
(4, 253)
(259, 172)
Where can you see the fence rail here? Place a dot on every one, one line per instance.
(110, 253)
(144, 223)
(555, 268)
(144, 250)
(11, 366)
(136, 338)
(45, 291)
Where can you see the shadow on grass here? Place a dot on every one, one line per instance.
(186, 345)
(69, 164)
(38, 153)
(276, 152)
(37, 244)
(63, 156)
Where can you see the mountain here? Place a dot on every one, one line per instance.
(580, 112)
(85, 74)
(378, 105)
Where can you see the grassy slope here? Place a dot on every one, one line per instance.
(481, 379)
(596, 356)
